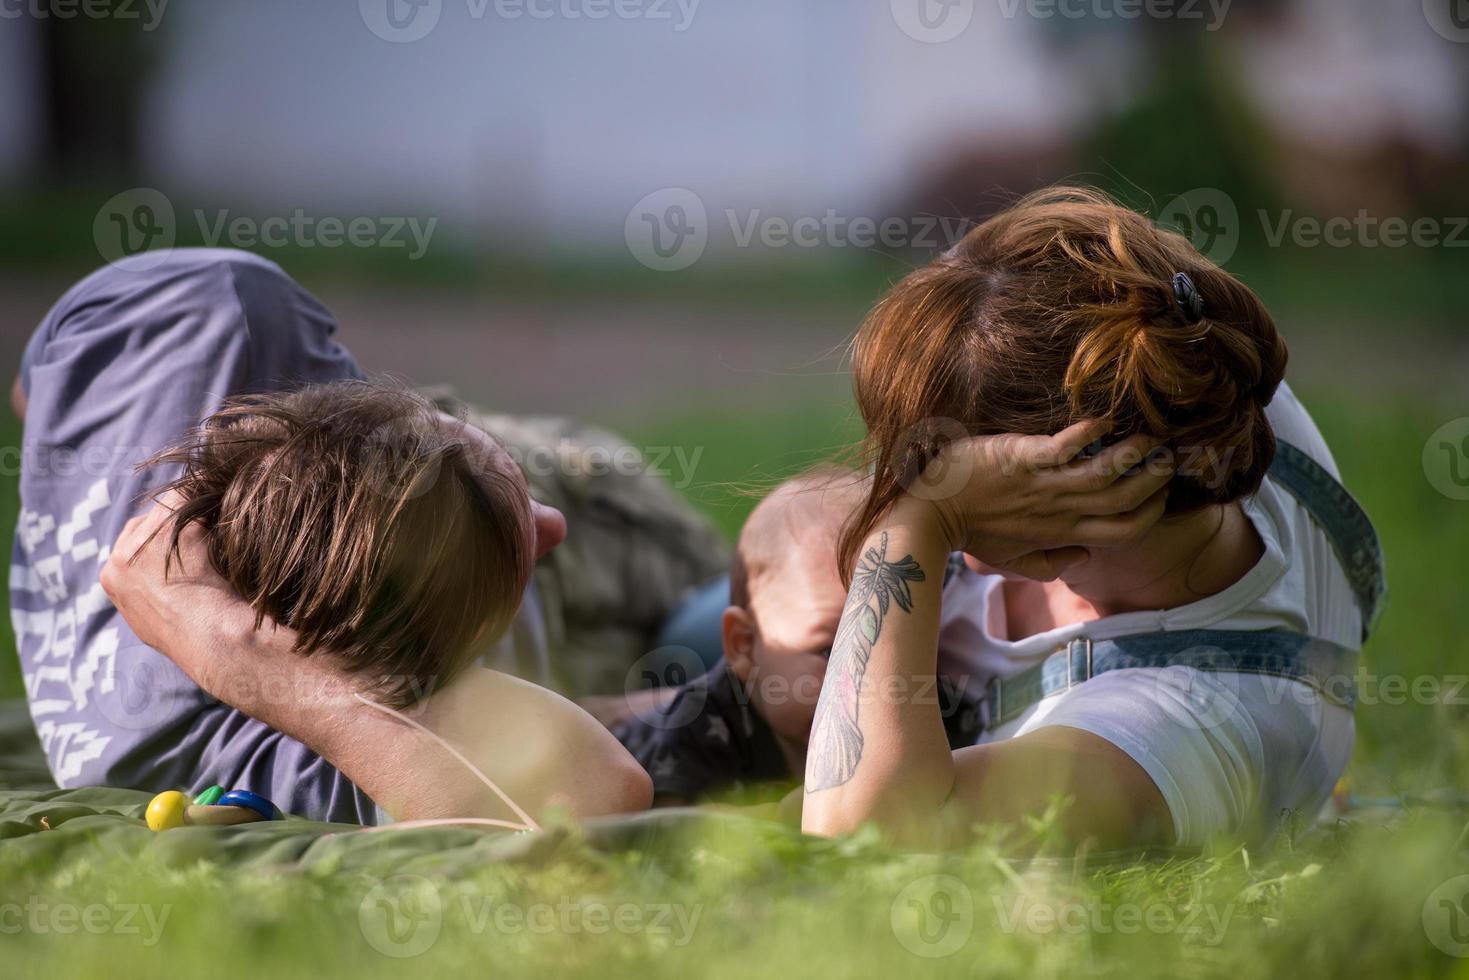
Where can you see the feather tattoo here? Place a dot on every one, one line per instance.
(836, 738)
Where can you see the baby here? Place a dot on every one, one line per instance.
(748, 719)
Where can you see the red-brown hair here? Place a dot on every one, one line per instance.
(1058, 309)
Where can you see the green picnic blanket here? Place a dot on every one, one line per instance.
(22, 763)
(39, 821)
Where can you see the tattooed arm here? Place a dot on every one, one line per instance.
(870, 742)
(879, 754)
(878, 584)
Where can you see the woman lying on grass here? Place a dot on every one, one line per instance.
(1089, 410)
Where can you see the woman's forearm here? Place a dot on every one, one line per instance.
(878, 747)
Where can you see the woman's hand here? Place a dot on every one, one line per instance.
(1032, 506)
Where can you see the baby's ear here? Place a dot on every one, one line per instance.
(737, 630)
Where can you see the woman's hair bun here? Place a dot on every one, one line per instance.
(1192, 357)
(1063, 307)
(1162, 340)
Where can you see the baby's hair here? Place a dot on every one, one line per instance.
(818, 501)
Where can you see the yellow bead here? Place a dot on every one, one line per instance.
(166, 811)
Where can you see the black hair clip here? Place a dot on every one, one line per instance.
(1188, 297)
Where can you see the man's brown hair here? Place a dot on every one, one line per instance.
(357, 515)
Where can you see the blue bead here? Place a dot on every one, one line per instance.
(244, 798)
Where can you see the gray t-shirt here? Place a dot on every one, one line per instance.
(121, 367)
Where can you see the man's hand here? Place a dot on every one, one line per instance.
(185, 610)
(165, 601)
(151, 599)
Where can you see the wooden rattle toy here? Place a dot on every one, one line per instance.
(209, 797)
(211, 808)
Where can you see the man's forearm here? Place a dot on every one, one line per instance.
(257, 672)
(541, 750)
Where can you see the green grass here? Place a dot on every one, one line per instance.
(754, 904)
(743, 456)
(1355, 901)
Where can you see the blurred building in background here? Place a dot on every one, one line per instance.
(545, 130)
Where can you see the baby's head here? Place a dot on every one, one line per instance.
(786, 596)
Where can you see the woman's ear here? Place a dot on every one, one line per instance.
(737, 630)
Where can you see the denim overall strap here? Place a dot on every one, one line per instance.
(1344, 522)
(1327, 667)
(953, 566)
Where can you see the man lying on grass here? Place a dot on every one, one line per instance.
(327, 538)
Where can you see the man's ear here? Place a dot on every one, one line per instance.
(737, 630)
